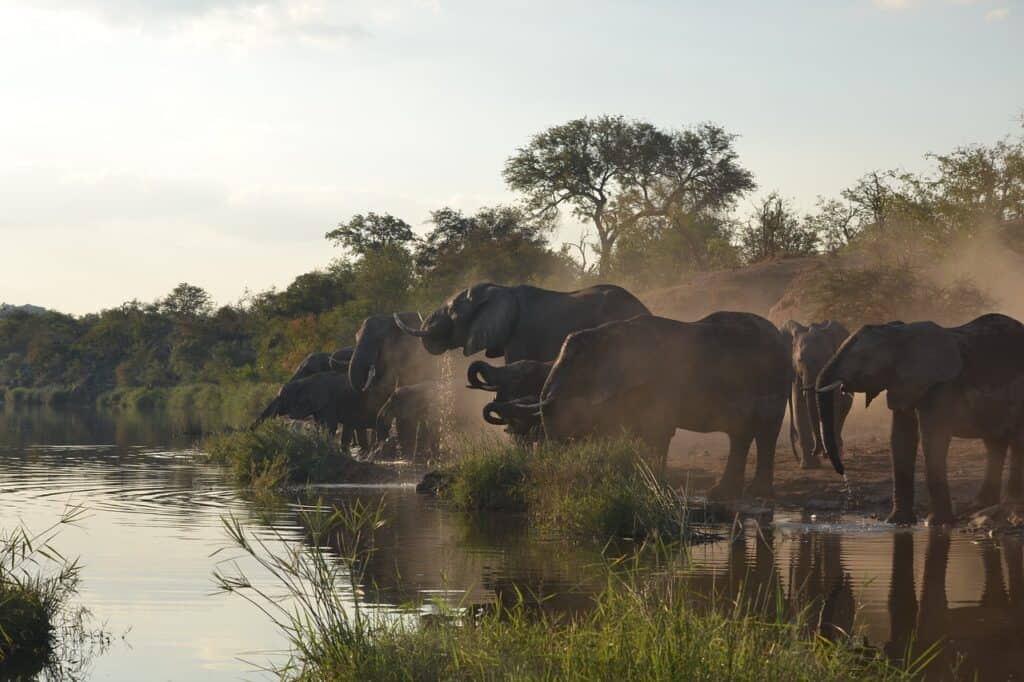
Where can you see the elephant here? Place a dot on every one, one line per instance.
(965, 381)
(384, 358)
(314, 363)
(521, 322)
(728, 372)
(329, 399)
(812, 347)
(522, 379)
(414, 411)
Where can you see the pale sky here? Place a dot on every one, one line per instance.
(148, 142)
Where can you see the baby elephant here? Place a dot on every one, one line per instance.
(414, 411)
(812, 348)
(515, 381)
(325, 397)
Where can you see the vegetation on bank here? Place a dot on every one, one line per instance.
(642, 626)
(276, 454)
(596, 488)
(669, 205)
(32, 599)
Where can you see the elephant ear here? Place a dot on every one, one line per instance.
(926, 355)
(494, 313)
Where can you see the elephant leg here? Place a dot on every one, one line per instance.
(763, 484)
(933, 612)
(903, 441)
(1015, 477)
(902, 600)
(732, 479)
(363, 439)
(771, 412)
(346, 437)
(935, 437)
(995, 456)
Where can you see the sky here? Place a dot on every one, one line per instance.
(146, 143)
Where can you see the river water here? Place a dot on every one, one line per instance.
(152, 529)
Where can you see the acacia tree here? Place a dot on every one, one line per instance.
(775, 230)
(617, 173)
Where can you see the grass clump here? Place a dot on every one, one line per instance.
(641, 626)
(276, 454)
(32, 601)
(601, 488)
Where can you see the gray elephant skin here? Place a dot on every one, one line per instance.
(521, 322)
(385, 358)
(519, 380)
(414, 412)
(965, 381)
(328, 399)
(314, 363)
(728, 372)
(812, 347)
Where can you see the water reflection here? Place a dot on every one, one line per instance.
(155, 522)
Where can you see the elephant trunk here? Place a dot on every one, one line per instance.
(477, 376)
(269, 411)
(827, 407)
(815, 418)
(435, 332)
(362, 364)
(492, 415)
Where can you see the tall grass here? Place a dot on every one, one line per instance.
(641, 627)
(601, 488)
(276, 454)
(32, 599)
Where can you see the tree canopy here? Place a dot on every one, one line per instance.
(617, 173)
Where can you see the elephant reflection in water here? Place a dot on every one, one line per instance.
(818, 583)
(982, 641)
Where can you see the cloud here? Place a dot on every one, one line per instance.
(997, 14)
(240, 22)
(893, 4)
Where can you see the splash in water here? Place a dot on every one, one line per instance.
(447, 404)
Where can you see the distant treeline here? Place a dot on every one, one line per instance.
(656, 205)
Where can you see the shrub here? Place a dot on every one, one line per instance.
(275, 454)
(601, 488)
(881, 293)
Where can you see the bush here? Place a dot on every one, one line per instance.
(601, 488)
(275, 454)
(881, 293)
(31, 603)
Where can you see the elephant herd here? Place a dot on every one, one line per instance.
(596, 362)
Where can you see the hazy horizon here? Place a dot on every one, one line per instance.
(216, 141)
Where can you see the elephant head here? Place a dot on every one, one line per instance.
(341, 358)
(514, 380)
(382, 352)
(906, 360)
(299, 399)
(811, 348)
(479, 318)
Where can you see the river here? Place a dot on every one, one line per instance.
(152, 527)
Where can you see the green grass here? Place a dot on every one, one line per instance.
(276, 454)
(642, 625)
(32, 601)
(244, 400)
(599, 488)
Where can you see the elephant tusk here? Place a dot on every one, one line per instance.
(831, 387)
(370, 376)
(418, 333)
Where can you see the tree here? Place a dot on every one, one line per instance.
(500, 243)
(617, 173)
(372, 232)
(775, 230)
(186, 301)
